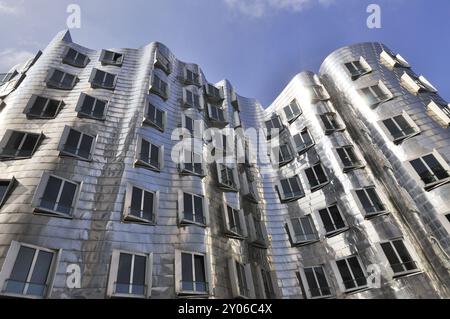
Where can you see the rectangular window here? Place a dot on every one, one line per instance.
(370, 202)
(274, 123)
(191, 77)
(376, 94)
(6, 187)
(303, 141)
(234, 222)
(349, 158)
(188, 124)
(40, 107)
(416, 84)
(103, 80)
(192, 99)
(317, 177)
(149, 155)
(216, 113)
(31, 272)
(75, 58)
(61, 80)
(141, 205)
(192, 209)
(192, 163)
(292, 111)
(213, 93)
(227, 177)
(130, 275)
(162, 62)
(331, 123)
(241, 279)
(269, 292)
(302, 230)
(77, 144)
(159, 87)
(393, 60)
(191, 273)
(332, 220)
(91, 107)
(111, 58)
(319, 94)
(285, 155)
(155, 117)
(432, 171)
(401, 127)
(249, 188)
(441, 111)
(358, 68)
(352, 274)
(290, 189)
(315, 282)
(19, 145)
(257, 232)
(399, 258)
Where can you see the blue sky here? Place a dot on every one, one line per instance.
(259, 45)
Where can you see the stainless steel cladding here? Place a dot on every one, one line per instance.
(103, 193)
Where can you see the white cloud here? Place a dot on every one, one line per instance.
(259, 8)
(10, 8)
(12, 57)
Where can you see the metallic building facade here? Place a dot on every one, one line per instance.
(343, 214)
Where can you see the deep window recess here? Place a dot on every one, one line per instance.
(291, 189)
(284, 155)
(216, 113)
(103, 80)
(352, 274)
(331, 123)
(40, 107)
(302, 230)
(192, 77)
(432, 172)
(349, 158)
(303, 141)
(75, 58)
(76, 143)
(292, 111)
(332, 220)
(213, 93)
(399, 258)
(370, 201)
(159, 87)
(111, 58)
(154, 116)
(273, 125)
(149, 155)
(227, 177)
(317, 282)
(132, 275)
(358, 68)
(6, 188)
(18, 145)
(400, 128)
(317, 177)
(193, 274)
(141, 205)
(91, 107)
(376, 94)
(235, 222)
(192, 99)
(58, 79)
(31, 273)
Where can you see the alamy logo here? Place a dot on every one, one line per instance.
(74, 18)
(374, 20)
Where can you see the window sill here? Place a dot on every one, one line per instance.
(50, 213)
(99, 86)
(407, 274)
(337, 232)
(356, 290)
(319, 187)
(79, 66)
(228, 188)
(6, 159)
(399, 141)
(295, 118)
(356, 77)
(189, 173)
(233, 235)
(37, 117)
(305, 150)
(167, 70)
(332, 131)
(90, 117)
(291, 200)
(141, 164)
(57, 87)
(65, 154)
(348, 169)
(435, 185)
(150, 123)
(158, 93)
(21, 296)
(375, 215)
(129, 219)
(110, 63)
(128, 296)
(187, 223)
(259, 244)
(302, 244)
(377, 104)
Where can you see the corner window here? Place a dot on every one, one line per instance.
(130, 275)
(358, 68)
(292, 111)
(441, 111)
(376, 94)
(103, 80)
(370, 202)
(332, 220)
(213, 93)
(399, 258)
(74, 58)
(192, 99)
(40, 107)
(149, 155)
(290, 189)
(228, 179)
(56, 196)
(91, 107)
(241, 280)
(192, 209)
(77, 144)
(19, 145)
(159, 87)
(331, 123)
(353, 276)
(141, 205)
(317, 177)
(302, 231)
(401, 127)
(234, 222)
(432, 170)
(349, 158)
(162, 62)
(303, 141)
(6, 187)
(61, 80)
(318, 93)
(111, 58)
(315, 282)
(191, 275)
(155, 117)
(30, 271)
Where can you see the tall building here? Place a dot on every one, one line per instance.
(111, 183)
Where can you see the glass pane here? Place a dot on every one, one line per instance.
(52, 108)
(98, 78)
(298, 230)
(85, 146)
(188, 209)
(67, 198)
(357, 271)
(187, 276)
(327, 222)
(242, 281)
(140, 265)
(436, 167)
(200, 274)
(310, 232)
(109, 80)
(337, 217)
(395, 263)
(406, 258)
(377, 205)
(320, 174)
(51, 193)
(71, 145)
(3, 188)
(136, 202)
(145, 151)
(29, 145)
(312, 283)
(159, 118)
(322, 280)
(286, 188)
(38, 106)
(124, 274)
(13, 143)
(88, 104)
(198, 202)
(154, 159)
(426, 176)
(68, 80)
(346, 275)
(365, 202)
(393, 129)
(41, 271)
(99, 109)
(295, 186)
(311, 177)
(19, 274)
(148, 206)
(57, 76)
